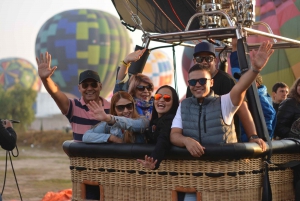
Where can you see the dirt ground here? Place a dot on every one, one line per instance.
(38, 171)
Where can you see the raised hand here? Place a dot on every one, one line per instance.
(148, 163)
(134, 56)
(44, 66)
(262, 55)
(97, 111)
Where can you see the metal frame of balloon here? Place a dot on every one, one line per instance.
(219, 33)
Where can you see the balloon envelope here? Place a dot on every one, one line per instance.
(83, 39)
(18, 71)
(283, 18)
(159, 68)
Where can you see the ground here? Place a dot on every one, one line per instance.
(38, 171)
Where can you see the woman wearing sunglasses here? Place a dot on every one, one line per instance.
(166, 102)
(123, 125)
(139, 86)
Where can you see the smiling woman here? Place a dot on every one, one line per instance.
(124, 124)
(166, 102)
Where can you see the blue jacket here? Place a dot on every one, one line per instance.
(267, 108)
(264, 97)
(102, 131)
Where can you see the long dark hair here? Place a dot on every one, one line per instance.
(293, 92)
(175, 103)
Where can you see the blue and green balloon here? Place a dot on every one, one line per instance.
(83, 39)
(18, 71)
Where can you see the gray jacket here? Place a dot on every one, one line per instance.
(204, 122)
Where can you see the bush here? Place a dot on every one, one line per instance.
(50, 138)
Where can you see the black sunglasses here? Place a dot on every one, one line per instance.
(142, 88)
(208, 59)
(121, 108)
(92, 84)
(202, 81)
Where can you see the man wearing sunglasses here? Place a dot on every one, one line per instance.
(204, 53)
(207, 118)
(74, 109)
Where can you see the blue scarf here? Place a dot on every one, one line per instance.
(144, 107)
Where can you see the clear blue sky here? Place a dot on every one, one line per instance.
(20, 21)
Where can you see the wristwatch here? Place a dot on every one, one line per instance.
(253, 137)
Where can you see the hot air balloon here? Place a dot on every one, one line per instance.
(283, 18)
(159, 68)
(83, 39)
(18, 71)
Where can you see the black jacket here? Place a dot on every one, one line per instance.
(159, 134)
(8, 138)
(288, 112)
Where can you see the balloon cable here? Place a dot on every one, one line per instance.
(135, 18)
(176, 14)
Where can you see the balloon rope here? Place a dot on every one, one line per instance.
(176, 13)
(165, 46)
(166, 15)
(192, 6)
(128, 8)
(175, 72)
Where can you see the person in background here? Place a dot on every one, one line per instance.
(8, 136)
(75, 110)
(266, 105)
(123, 125)
(288, 116)
(166, 102)
(280, 91)
(139, 86)
(204, 53)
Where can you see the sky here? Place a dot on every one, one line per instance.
(20, 21)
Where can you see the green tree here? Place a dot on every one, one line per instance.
(18, 104)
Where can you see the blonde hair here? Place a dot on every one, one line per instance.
(136, 80)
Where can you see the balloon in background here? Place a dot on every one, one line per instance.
(187, 62)
(84, 39)
(18, 71)
(159, 68)
(283, 18)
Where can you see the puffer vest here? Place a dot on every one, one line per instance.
(204, 121)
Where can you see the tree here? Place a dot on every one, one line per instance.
(18, 104)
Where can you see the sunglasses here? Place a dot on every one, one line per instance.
(142, 88)
(166, 97)
(121, 108)
(208, 59)
(92, 84)
(202, 81)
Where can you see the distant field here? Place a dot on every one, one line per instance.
(41, 166)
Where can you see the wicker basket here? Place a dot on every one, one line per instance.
(125, 179)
